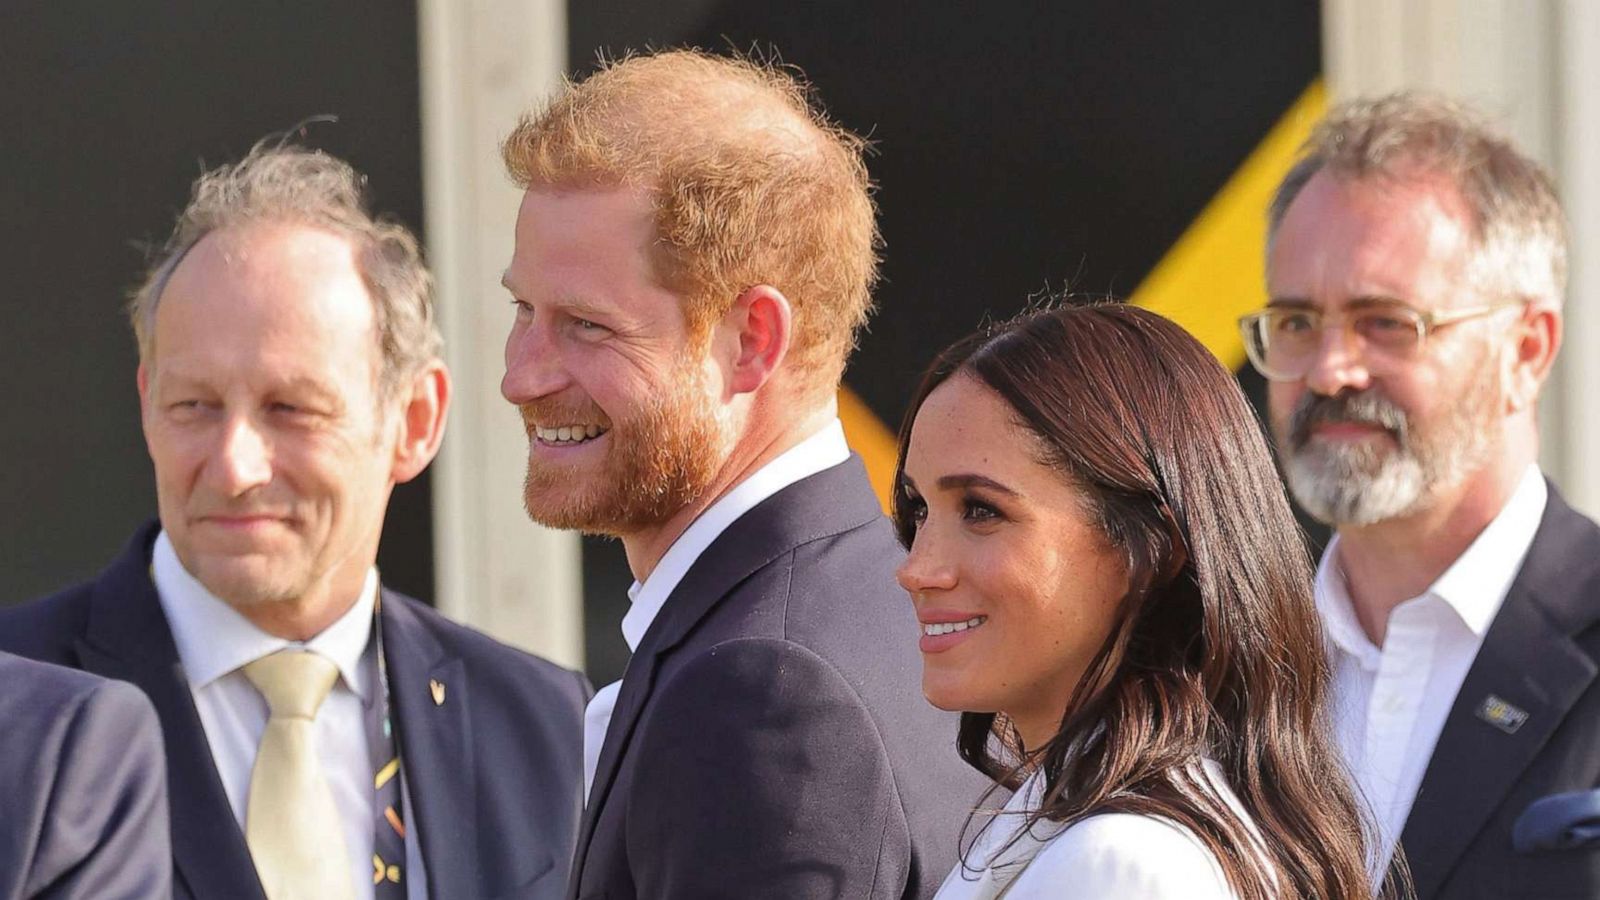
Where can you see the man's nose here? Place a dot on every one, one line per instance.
(534, 366)
(1339, 363)
(243, 459)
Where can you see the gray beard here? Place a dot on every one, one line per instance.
(1370, 483)
(1356, 485)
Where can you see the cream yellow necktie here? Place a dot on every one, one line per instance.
(291, 823)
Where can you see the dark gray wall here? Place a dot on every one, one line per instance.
(107, 111)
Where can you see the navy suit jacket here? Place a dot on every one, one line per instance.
(770, 738)
(495, 772)
(82, 788)
(1540, 655)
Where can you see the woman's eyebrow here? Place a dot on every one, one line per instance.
(971, 479)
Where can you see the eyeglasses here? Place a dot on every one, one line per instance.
(1283, 341)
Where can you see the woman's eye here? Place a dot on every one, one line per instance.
(916, 509)
(978, 511)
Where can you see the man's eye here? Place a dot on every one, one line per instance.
(1293, 323)
(186, 406)
(587, 325)
(1383, 323)
(523, 310)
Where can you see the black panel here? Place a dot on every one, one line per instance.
(109, 110)
(1020, 147)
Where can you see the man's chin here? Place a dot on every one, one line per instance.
(1344, 492)
(546, 506)
(245, 588)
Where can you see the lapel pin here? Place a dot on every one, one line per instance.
(1501, 714)
(436, 687)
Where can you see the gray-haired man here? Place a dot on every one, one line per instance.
(1416, 266)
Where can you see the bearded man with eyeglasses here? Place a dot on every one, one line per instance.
(1416, 264)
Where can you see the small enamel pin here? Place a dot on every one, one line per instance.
(1501, 714)
(436, 687)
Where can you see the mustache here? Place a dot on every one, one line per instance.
(1366, 407)
(546, 412)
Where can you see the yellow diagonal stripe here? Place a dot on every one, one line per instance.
(1209, 278)
(1212, 275)
(868, 436)
(386, 773)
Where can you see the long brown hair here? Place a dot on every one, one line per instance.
(1217, 651)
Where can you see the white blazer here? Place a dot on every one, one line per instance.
(1115, 855)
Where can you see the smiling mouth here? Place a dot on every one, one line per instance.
(568, 435)
(934, 629)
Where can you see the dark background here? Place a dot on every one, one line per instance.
(1019, 148)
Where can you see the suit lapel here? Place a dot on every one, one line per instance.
(1529, 660)
(830, 502)
(128, 638)
(429, 690)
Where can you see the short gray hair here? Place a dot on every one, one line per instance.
(283, 183)
(1517, 224)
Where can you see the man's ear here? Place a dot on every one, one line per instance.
(422, 418)
(141, 378)
(1536, 338)
(759, 328)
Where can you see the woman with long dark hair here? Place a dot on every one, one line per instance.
(1113, 590)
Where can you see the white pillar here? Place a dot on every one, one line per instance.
(1531, 64)
(483, 62)
(1578, 427)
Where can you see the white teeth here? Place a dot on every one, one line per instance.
(938, 628)
(568, 434)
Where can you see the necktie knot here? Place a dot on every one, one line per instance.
(294, 682)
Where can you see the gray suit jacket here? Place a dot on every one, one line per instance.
(83, 789)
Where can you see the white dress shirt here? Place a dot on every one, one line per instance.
(1390, 703)
(1121, 855)
(214, 644)
(822, 450)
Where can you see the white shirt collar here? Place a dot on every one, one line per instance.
(213, 639)
(1475, 584)
(822, 450)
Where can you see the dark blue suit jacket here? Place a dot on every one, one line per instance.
(83, 801)
(771, 738)
(495, 772)
(1541, 655)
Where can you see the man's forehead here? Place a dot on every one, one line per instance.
(266, 242)
(287, 296)
(1369, 238)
